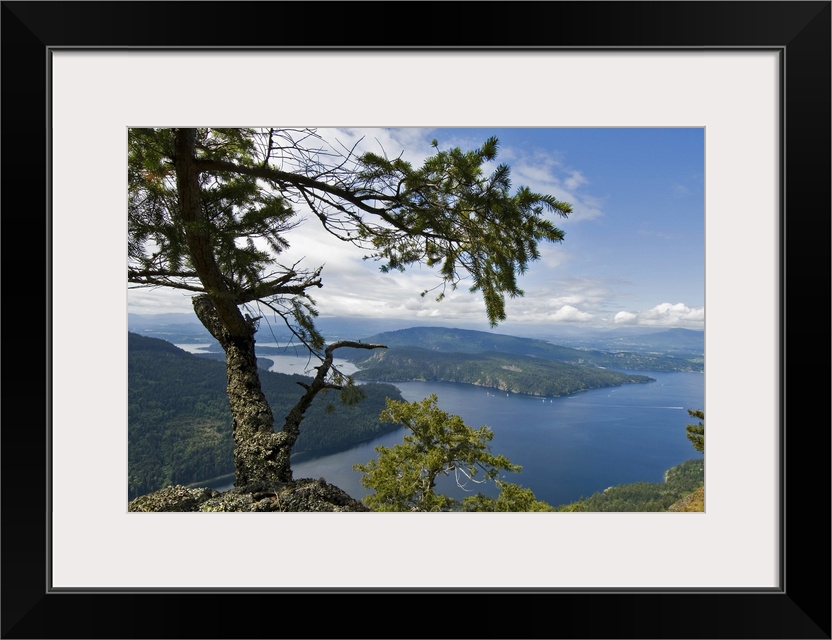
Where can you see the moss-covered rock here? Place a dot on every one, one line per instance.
(174, 498)
(298, 495)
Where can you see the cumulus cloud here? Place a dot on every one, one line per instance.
(544, 307)
(664, 315)
(357, 288)
(590, 294)
(568, 313)
(625, 317)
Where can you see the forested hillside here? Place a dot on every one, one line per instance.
(179, 422)
(681, 481)
(514, 373)
(447, 340)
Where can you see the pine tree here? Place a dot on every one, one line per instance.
(403, 477)
(696, 432)
(512, 497)
(208, 213)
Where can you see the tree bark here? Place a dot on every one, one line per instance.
(260, 454)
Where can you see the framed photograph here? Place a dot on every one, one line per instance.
(753, 76)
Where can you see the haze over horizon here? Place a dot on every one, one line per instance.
(633, 253)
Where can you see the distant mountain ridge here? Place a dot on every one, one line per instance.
(672, 340)
(184, 327)
(466, 341)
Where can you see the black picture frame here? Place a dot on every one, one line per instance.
(800, 608)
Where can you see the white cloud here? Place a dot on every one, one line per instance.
(413, 143)
(552, 256)
(549, 305)
(568, 313)
(664, 315)
(625, 317)
(545, 173)
(356, 287)
(541, 171)
(574, 180)
(147, 301)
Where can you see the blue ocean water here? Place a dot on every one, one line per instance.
(569, 447)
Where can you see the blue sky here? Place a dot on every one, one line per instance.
(633, 252)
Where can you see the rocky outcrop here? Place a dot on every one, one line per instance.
(297, 495)
(692, 502)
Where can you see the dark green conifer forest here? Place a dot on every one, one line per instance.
(179, 422)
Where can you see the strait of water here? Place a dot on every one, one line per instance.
(569, 447)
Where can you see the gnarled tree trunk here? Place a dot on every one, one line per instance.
(261, 456)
